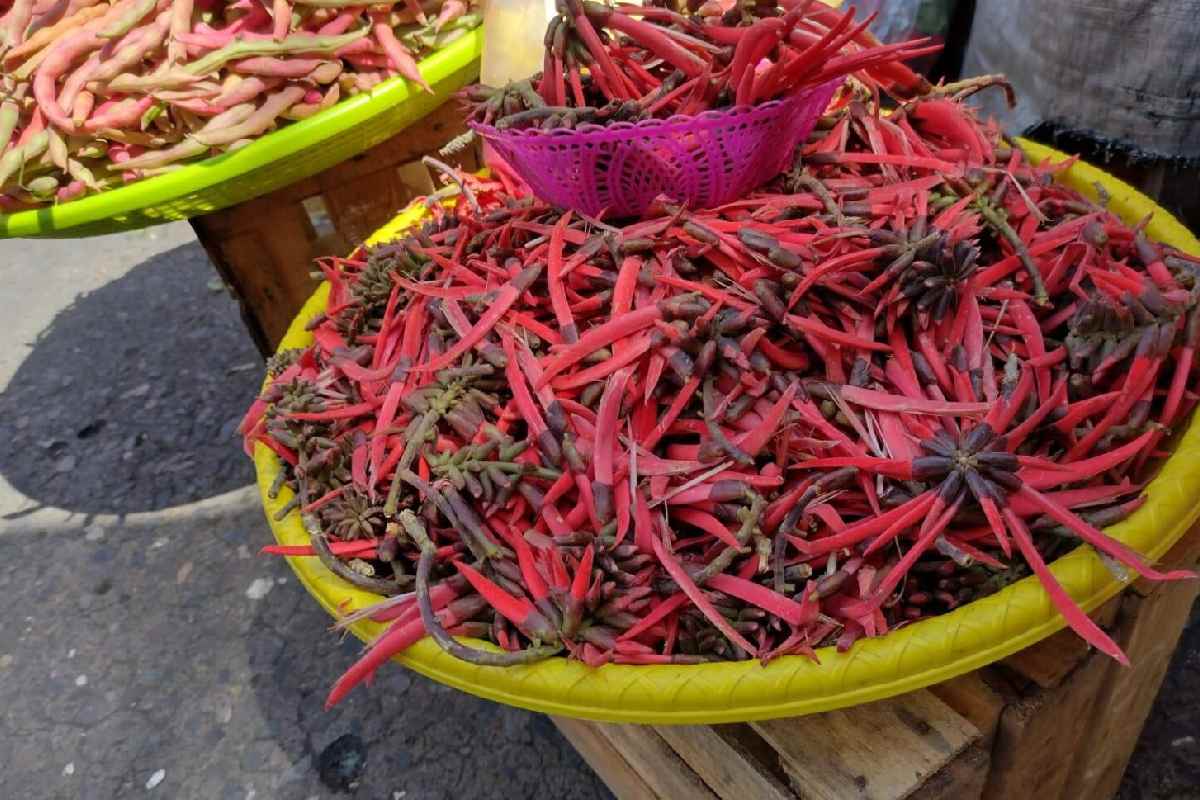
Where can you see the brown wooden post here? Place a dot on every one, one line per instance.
(263, 249)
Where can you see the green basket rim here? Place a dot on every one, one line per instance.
(438, 68)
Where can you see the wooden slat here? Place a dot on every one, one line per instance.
(603, 758)
(974, 697)
(269, 274)
(232, 279)
(361, 205)
(962, 779)
(1123, 703)
(654, 760)
(726, 768)
(1039, 735)
(424, 137)
(1051, 660)
(879, 751)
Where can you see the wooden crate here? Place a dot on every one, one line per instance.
(264, 248)
(1056, 721)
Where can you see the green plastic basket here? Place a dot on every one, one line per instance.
(276, 160)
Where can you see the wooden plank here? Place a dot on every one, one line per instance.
(281, 283)
(424, 137)
(269, 274)
(1148, 630)
(975, 698)
(361, 205)
(1123, 703)
(1038, 736)
(962, 779)
(654, 760)
(233, 279)
(879, 751)
(1051, 660)
(729, 770)
(747, 740)
(604, 759)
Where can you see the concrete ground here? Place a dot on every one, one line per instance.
(147, 650)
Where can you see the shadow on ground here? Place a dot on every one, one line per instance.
(128, 401)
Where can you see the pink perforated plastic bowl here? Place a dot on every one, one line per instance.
(702, 161)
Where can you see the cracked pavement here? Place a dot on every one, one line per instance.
(147, 650)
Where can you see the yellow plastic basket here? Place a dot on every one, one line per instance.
(285, 156)
(915, 656)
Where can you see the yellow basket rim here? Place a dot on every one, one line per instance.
(213, 183)
(915, 656)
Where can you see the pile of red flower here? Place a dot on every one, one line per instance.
(626, 63)
(903, 375)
